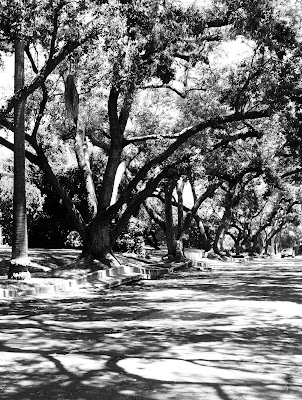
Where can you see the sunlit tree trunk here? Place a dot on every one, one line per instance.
(83, 158)
(174, 244)
(19, 262)
(219, 236)
(170, 228)
(180, 206)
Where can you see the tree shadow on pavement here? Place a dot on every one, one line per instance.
(194, 337)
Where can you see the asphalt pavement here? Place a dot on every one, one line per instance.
(229, 333)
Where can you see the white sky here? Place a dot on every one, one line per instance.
(232, 52)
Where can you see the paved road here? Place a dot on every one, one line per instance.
(230, 334)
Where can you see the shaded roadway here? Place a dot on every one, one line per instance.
(229, 334)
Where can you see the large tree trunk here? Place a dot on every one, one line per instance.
(218, 241)
(267, 245)
(256, 243)
(19, 263)
(174, 245)
(98, 242)
(205, 243)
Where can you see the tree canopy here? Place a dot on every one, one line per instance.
(134, 94)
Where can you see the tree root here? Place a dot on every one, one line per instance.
(95, 264)
(18, 269)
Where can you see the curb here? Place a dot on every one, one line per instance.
(109, 278)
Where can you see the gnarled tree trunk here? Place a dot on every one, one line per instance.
(98, 242)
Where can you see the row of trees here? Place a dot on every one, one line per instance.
(136, 98)
(207, 209)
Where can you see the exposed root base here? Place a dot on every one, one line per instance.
(88, 262)
(170, 258)
(18, 272)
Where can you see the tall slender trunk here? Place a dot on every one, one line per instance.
(218, 241)
(170, 232)
(19, 262)
(175, 245)
(180, 206)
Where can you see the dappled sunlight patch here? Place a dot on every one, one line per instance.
(175, 370)
(213, 351)
(101, 379)
(37, 340)
(127, 392)
(163, 294)
(231, 381)
(80, 364)
(82, 326)
(9, 320)
(25, 369)
(181, 391)
(37, 343)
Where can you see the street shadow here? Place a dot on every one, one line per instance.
(190, 335)
(159, 340)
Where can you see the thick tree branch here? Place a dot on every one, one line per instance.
(55, 30)
(6, 124)
(252, 132)
(182, 94)
(74, 214)
(41, 76)
(5, 173)
(138, 199)
(245, 86)
(126, 107)
(155, 216)
(102, 142)
(30, 156)
(191, 214)
(237, 178)
(183, 136)
(290, 173)
(112, 112)
(44, 97)
(115, 151)
(141, 139)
